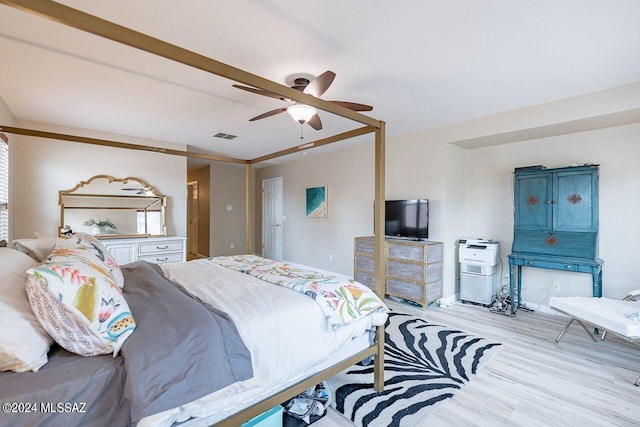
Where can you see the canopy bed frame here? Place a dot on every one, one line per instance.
(100, 27)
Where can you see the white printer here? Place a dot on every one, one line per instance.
(478, 259)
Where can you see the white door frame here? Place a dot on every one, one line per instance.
(272, 218)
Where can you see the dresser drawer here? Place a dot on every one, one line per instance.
(561, 243)
(556, 265)
(434, 253)
(407, 290)
(367, 279)
(405, 251)
(365, 245)
(406, 271)
(161, 258)
(365, 263)
(434, 291)
(160, 247)
(434, 272)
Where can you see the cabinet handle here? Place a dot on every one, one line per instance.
(162, 259)
(162, 247)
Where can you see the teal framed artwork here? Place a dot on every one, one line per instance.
(317, 202)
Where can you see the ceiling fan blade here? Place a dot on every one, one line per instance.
(354, 106)
(269, 114)
(260, 92)
(315, 122)
(320, 84)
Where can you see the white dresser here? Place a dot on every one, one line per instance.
(152, 249)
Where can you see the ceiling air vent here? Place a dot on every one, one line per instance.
(224, 135)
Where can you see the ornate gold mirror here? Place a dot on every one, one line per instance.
(109, 207)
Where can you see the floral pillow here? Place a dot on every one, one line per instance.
(94, 249)
(78, 302)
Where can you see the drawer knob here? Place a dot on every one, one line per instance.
(162, 247)
(568, 267)
(162, 259)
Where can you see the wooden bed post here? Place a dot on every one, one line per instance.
(249, 207)
(378, 372)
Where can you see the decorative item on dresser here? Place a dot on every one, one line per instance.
(157, 250)
(413, 269)
(555, 223)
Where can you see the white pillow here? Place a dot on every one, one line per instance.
(24, 344)
(38, 248)
(78, 302)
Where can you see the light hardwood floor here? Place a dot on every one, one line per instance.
(533, 381)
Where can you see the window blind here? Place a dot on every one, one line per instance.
(4, 190)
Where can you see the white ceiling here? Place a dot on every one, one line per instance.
(420, 63)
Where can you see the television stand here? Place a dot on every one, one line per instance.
(413, 269)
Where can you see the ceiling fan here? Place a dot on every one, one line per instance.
(303, 113)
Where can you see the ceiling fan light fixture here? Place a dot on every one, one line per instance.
(301, 113)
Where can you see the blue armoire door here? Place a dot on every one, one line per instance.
(533, 209)
(575, 197)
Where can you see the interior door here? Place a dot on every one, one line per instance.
(272, 218)
(193, 217)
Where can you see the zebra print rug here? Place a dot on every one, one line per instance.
(424, 364)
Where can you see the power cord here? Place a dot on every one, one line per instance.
(501, 301)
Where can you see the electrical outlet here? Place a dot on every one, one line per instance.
(505, 280)
(232, 245)
(331, 258)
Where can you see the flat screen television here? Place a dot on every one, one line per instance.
(407, 219)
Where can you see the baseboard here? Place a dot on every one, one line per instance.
(447, 301)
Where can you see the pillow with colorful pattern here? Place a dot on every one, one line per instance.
(77, 301)
(94, 248)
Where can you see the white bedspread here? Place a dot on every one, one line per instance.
(285, 331)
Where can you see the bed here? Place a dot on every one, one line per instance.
(189, 361)
(358, 348)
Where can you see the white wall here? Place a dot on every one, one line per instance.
(42, 167)
(349, 177)
(470, 187)
(490, 203)
(228, 227)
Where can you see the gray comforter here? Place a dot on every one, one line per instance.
(181, 350)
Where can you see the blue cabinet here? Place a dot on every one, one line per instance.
(555, 223)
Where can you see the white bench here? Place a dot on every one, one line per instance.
(621, 317)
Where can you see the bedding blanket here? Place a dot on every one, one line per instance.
(182, 350)
(286, 332)
(342, 300)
